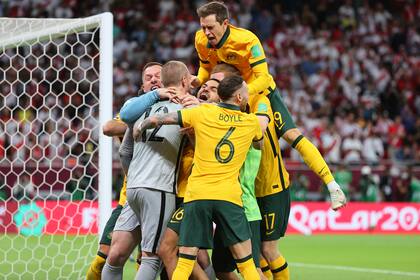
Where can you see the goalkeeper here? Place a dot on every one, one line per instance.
(116, 127)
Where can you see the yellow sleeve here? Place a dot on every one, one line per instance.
(204, 70)
(258, 132)
(187, 117)
(203, 74)
(313, 158)
(260, 105)
(258, 63)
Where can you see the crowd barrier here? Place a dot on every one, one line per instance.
(66, 217)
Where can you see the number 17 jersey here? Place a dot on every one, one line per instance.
(223, 136)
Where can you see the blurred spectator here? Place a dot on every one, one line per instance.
(352, 149)
(400, 191)
(344, 178)
(80, 186)
(386, 182)
(414, 187)
(373, 149)
(299, 188)
(331, 144)
(23, 189)
(369, 185)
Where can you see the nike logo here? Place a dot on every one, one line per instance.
(321, 170)
(269, 232)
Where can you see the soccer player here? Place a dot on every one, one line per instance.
(169, 246)
(153, 171)
(116, 128)
(218, 41)
(223, 137)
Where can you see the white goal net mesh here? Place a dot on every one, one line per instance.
(49, 139)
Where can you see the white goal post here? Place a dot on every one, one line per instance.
(56, 82)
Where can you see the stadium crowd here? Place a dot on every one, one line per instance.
(349, 71)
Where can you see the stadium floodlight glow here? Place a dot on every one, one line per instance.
(55, 94)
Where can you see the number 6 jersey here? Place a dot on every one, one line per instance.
(223, 136)
(157, 156)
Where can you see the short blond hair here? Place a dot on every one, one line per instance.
(173, 72)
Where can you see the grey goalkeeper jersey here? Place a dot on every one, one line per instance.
(156, 157)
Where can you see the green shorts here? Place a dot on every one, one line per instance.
(197, 224)
(176, 219)
(282, 118)
(222, 258)
(275, 210)
(109, 227)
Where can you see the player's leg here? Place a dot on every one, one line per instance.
(265, 268)
(282, 118)
(203, 265)
(222, 259)
(125, 237)
(197, 216)
(154, 209)
(235, 234)
(168, 248)
(275, 210)
(95, 269)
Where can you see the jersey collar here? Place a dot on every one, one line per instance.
(222, 41)
(229, 106)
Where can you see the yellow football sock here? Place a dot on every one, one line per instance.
(184, 267)
(95, 270)
(138, 260)
(265, 268)
(313, 158)
(247, 268)
(280, 269)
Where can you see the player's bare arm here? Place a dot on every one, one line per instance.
(152, 122)
(114, 128)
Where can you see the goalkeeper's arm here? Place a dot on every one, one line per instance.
(126, 149)
(314, 160)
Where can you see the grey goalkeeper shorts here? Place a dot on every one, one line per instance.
(127, 221)
(153, 209)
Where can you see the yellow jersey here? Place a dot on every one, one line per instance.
(185, 168)
(223, 136)
(272, 176)
(123, 191)
(240, 48)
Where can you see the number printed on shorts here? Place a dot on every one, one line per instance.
(178, 215)
(222, 142)
(269, 219)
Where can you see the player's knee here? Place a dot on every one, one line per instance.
(269, 250)
(203, 258)
(167, 249)
(117, 257)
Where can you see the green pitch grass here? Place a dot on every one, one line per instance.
(326, 257)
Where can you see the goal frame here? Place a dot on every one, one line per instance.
(105, 23)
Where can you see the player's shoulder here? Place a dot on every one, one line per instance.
(171, 106)
(200, 38)
(242, 34)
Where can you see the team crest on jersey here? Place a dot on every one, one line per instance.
(231, 57)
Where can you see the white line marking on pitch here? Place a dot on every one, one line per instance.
(358, 269)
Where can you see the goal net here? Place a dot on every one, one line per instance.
(55, 163)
